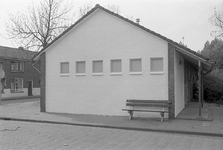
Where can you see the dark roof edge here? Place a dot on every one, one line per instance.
(125, 19)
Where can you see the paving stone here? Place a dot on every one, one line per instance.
(42, 136)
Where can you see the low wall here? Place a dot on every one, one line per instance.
(7, 93)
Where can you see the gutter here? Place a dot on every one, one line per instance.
(210, 69)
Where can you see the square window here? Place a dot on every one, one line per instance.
(17, 66)
(135, 65)
(80, 67)
(116, 65)
(97, 66)
(64, 67)
(1, 65)
(156, 64)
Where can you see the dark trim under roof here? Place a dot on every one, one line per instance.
(97, 6)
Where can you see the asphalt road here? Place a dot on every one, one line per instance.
(44, 136)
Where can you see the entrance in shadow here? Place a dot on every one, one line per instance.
(191, 112)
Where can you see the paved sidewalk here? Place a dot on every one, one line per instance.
(30, 111)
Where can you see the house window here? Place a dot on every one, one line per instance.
(80, 67)
(1, 65)
(116, 66)
(17, 85)
(97, 66)
(136, 65)
(17, 66)
(156, 65)
(64, 68)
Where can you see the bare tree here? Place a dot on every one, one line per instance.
(84, 9)
(43, 23)
(114, 8)
(87, 7)
(217, 21)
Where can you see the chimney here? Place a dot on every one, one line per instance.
(20, 48)
(137, 20)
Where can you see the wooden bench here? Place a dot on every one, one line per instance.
(162, 104)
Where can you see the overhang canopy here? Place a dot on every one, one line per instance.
(193, 59)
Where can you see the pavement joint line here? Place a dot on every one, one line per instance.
(115, 127)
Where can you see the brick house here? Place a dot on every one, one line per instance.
(104, 59)
(21, 78)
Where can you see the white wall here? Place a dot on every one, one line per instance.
(36, 91)
(103, 37)
(179, 83)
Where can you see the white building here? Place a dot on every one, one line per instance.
(104, 59)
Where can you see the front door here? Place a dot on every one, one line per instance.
(30, 88)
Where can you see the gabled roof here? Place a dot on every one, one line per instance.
(97, 6)
(16, 53)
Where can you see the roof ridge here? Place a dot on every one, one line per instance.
(7, 47)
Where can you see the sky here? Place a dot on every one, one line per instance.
(178, 20)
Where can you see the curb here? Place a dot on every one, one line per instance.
(115, 127)
(18, 98)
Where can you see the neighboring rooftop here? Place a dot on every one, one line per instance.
(16, 53)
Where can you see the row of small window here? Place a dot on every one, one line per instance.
(156, 66)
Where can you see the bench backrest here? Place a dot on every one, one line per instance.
(148, 103)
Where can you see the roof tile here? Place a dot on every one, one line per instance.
(16, 53)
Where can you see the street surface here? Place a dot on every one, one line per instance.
(43, 136)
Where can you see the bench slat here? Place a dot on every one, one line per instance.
(147, 105)
(145, 110)
(148, 101)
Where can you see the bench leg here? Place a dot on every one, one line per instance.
(162, 116)
(130, 114)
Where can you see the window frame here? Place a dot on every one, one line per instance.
(130, 66)
(156, 72)
(115, 72)
(93, 68)
(76, 68)
(14, 89)
(1, 65)
(64, 73)
(20, 66)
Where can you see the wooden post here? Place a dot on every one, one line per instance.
(202, 88)
(199, 86)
